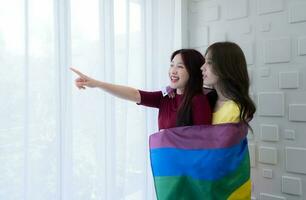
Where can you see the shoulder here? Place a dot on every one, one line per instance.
(229, 112)
(231, 106)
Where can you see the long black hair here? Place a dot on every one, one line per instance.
(193, 60)
(229, 64)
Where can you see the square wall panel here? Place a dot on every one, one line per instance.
(269, 6)
(297, 112)
(291, 185)
(265, 196)
(289, 134)
(271, 104)
(265, 27)
(302, 46)
(211, 13)
(296, 160)
(236, 9)
(264, 72)
(289, 80)
(267, 173)
(297, 13)
(267, 155)
(269, 132)
(277, 50)
(199, 37)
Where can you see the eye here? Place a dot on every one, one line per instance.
(181, 66)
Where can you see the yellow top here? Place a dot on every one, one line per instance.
(228, 113)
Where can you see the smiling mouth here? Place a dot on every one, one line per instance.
(174, 79)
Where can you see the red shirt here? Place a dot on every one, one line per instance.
(168, 107)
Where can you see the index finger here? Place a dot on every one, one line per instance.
(78, 72)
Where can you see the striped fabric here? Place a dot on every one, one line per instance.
(208, 162)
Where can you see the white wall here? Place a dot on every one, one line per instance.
(272, 34)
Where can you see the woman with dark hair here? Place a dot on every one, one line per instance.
(189, 106)
(225, 70)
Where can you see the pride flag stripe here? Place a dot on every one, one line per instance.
(210, 164)
(224, 135)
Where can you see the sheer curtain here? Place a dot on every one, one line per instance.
(57, 142)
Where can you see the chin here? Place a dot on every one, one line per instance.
(172, 86)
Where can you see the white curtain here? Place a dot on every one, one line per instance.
(57, 142)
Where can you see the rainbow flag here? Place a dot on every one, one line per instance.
(206, 162)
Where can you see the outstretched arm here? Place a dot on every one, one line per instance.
(120, 91)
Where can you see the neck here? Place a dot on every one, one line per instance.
(221, 97)
(179, 91)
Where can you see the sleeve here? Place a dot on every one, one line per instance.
(232, 114)
(201, 111)
(150, 99)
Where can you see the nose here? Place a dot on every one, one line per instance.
(203, 67)
(173, 71)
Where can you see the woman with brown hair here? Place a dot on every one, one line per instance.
(225, 70)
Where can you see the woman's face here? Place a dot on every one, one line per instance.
(209, 77)
(178, 74)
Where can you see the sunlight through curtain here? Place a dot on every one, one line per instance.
(57, 142)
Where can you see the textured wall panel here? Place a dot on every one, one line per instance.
(267, 155)
(277, 50)
(288, 80)
(265, 196)
(269, 132)
(199, 37)
(291, 185)
(267, 173)
(211, 13)
(193, 7)
(252, 150)
(271, 104)
(289, 134)
(272, 34)
(269, 6)
(264, 72)
(265, 27)
(297, 112)
(296, 160)
(297, 13)
(236, 9)
(217, 37)
(302, 46)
